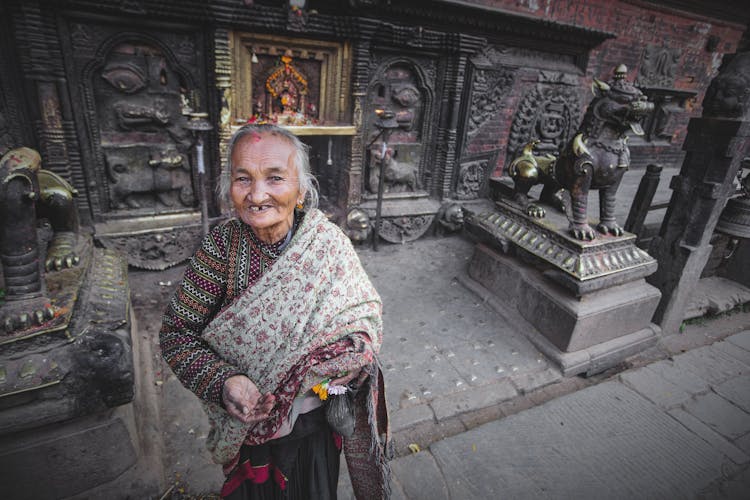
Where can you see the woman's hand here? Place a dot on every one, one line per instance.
(243, 400)
(360, 375)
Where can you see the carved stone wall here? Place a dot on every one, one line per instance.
(549, 112)
(134, 87)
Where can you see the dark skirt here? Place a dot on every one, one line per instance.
(303, 465)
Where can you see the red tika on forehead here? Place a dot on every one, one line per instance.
(255, 137)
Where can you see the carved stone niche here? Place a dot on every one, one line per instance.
(400, 85)
(139, 94)
(132, 92)
(290, 81)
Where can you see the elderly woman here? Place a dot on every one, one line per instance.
(273, 313)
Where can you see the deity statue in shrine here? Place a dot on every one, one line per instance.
(288, 88)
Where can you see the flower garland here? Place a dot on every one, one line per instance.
(286, 60)
(325, 388)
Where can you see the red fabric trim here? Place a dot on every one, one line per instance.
(246, 472)
(338, 440)
(279, 477)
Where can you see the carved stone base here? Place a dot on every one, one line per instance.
(582, 334)
(79, 367)
(403, 218)
(580, 266)
(66, 459)
(153, 243)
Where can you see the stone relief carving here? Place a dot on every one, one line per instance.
(398, 87)
(405, 228)
(156, 251)
(548, 114)
(658, 67)
(140, 96)
(489, 90)
(729, 93)
(471, 177)
(399, 176)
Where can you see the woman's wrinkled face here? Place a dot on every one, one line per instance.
(265, 185)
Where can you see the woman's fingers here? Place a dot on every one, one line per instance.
(243, 400)
(345, 379)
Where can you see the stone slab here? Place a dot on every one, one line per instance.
(570, 323)
(403, 418)
(741, 339)
(569, 448)
(734, 351)
(654, 388)
(711, 365)
(679, 376)
(715, 295)
(743, 443)
(419, 476)
(720, 415)
(709, 435)
(736, 391)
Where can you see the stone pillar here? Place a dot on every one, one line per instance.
(716, 144)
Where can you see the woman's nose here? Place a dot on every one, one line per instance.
(257, 192)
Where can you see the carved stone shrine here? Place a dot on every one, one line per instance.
(66, 350)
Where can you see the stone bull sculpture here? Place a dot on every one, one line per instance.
(596, 158)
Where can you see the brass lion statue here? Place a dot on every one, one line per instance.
(596, 158)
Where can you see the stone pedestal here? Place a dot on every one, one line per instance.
(69, 422)
(588, 302)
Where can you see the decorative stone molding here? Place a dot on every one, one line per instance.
(581, 260)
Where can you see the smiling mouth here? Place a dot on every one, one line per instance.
(259, 208)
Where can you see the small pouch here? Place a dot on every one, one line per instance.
(340, 413)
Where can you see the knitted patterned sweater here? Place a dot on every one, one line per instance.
(207, 286)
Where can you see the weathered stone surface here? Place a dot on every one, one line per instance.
(679, 376)
(736, 391)
(734, 351)
(565, 449)
(720, 415)
(741, 339)
(478, 397)
(407, 417)
(654, 388)
(709, 435)
(711, 365)
(420, 476)
(570, 324)
(65, 459)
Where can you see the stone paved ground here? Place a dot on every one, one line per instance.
(677, 428)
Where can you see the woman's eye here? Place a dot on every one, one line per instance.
(276, 178)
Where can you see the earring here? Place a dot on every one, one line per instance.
(299, 205)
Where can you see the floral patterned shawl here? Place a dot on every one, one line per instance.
(313, 314)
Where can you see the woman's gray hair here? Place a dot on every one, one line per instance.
(307, 181)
